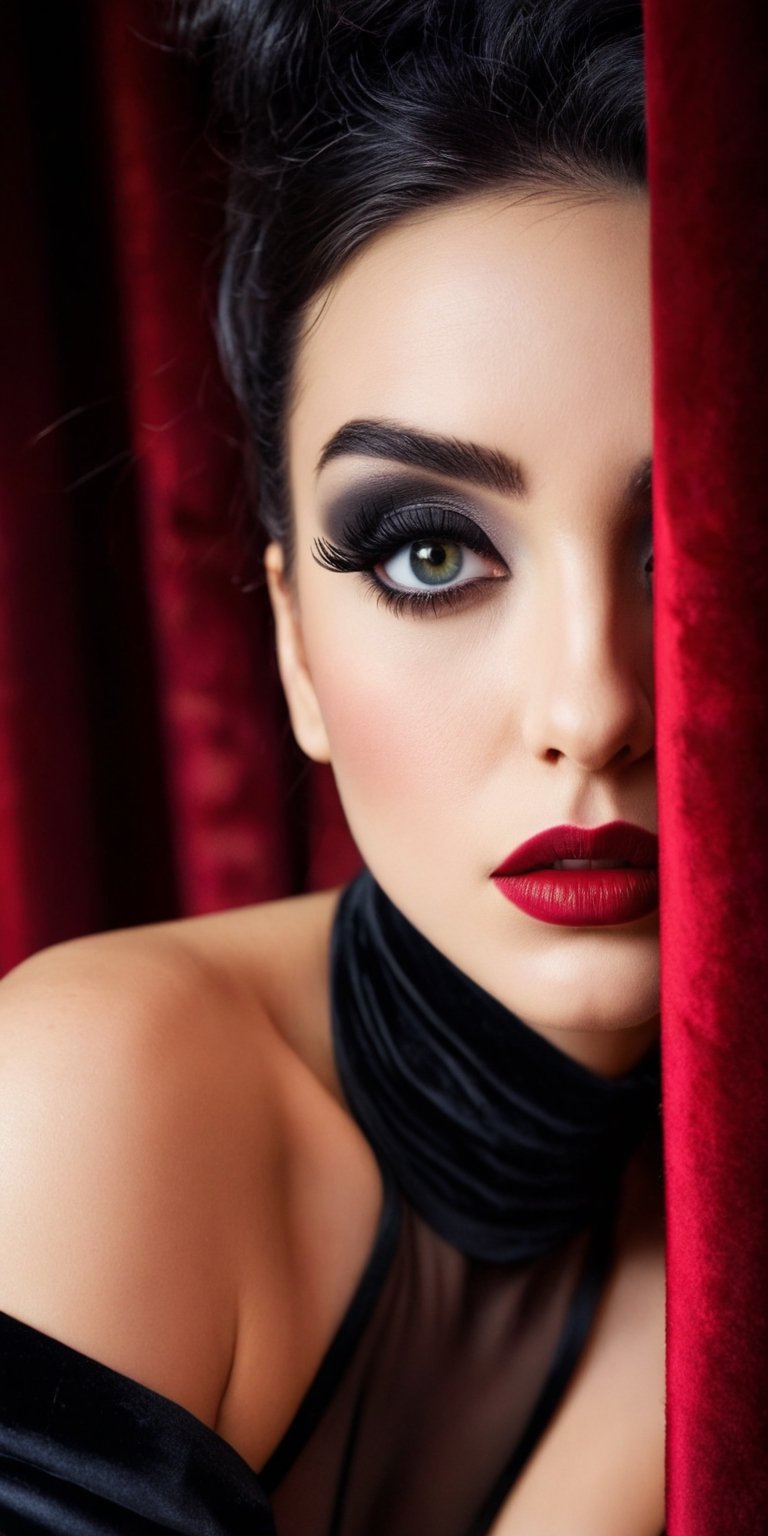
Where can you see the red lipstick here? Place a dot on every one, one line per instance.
(588, 897)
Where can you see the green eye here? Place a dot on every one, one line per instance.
(422, 560)
(436, 562)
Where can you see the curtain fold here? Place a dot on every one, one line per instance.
(146, 764)
(221, 725)
(147, 767)
(47, 855)
(707, 77)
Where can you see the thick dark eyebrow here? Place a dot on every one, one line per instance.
(450, 456)
(488, 467)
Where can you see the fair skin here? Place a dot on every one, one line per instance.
(176, 1159)
(522, 327)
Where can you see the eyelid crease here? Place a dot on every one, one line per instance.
(380, 526)
(373, 535)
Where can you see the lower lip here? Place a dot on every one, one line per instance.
(579, 898)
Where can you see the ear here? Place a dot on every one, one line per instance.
(303, 706)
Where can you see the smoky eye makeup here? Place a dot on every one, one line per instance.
(443, 552)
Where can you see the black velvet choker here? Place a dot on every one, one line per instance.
(501, 1141)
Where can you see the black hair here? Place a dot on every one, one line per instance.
(340, 116)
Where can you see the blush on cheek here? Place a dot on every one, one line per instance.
(409, 709)
(388, 751)
(377, 735)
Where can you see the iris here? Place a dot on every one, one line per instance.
(436, 562)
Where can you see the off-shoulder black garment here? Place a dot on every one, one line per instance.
(445, 1367)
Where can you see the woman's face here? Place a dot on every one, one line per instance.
(521, 695)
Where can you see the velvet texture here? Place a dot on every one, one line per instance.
(145, 763)
(502, 1142)
(147, 767)
(707, 72)
(87, 1451)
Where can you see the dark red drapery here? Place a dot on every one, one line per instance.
(707, 79)
(147, 768)
(146, 765)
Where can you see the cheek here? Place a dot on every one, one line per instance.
(396, 707)
(385, 736)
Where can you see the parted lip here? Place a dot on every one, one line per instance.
(621, 840)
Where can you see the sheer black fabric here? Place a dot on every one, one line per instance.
(443, 1371)
(453, 1379)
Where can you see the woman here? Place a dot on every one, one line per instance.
(345, 1212)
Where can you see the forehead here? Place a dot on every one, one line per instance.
(492, 316)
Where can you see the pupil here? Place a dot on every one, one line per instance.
(434, 562)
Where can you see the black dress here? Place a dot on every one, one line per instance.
(440, 1379)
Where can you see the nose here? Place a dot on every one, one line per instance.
(590, 683)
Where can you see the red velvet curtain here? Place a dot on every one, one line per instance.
(147, 768)
(146, 764)
(707, 76)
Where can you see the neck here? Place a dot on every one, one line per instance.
(608, 1052)
(505, 1142)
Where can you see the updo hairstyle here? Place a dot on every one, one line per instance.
(338, 117)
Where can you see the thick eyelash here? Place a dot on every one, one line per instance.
(423, 602)
(374, 534)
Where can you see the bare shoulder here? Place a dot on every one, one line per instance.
(139, 1117)
(276, 954)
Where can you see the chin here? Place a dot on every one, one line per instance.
(598, 1005)
(600, 987)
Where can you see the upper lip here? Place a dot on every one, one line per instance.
(620, 840)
